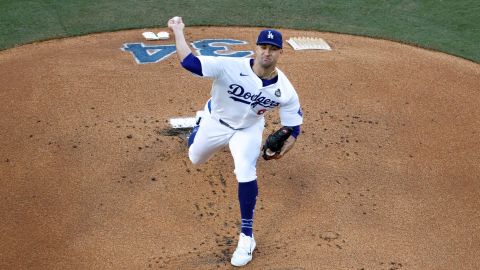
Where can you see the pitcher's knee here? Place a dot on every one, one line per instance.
(195, 159)
(246, 174)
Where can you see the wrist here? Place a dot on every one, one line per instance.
(178, 32)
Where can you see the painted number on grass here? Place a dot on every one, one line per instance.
(146, 54)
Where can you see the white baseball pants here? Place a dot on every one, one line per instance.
(244, 145)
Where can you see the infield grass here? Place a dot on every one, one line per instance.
(448, 26)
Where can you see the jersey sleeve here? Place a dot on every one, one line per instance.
(192, 64)
(290, 112)
(212, 66)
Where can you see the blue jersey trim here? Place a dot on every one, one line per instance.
(269, 82)
(192, 64)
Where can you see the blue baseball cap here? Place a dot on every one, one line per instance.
(270, 36)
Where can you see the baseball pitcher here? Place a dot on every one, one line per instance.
(243, 90)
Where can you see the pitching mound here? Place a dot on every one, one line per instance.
(385, 174)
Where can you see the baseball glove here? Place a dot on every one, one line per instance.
(274, 143)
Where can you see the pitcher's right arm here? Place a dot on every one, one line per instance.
(177, 26)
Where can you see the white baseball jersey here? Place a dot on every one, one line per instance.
(240, 99)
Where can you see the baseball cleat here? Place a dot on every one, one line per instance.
(243, 253)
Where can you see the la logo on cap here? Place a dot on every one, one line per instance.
(270, 35)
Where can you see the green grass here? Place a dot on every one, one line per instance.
(445, 25)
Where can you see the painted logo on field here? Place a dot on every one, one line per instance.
(148, 54)
(145, 54)
(220, 47)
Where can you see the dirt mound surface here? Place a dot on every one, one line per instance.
(385, 174)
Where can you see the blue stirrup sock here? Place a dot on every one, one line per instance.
(247, 196)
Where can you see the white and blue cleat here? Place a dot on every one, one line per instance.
(243, 253)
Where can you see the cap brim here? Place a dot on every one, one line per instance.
(269, 43)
